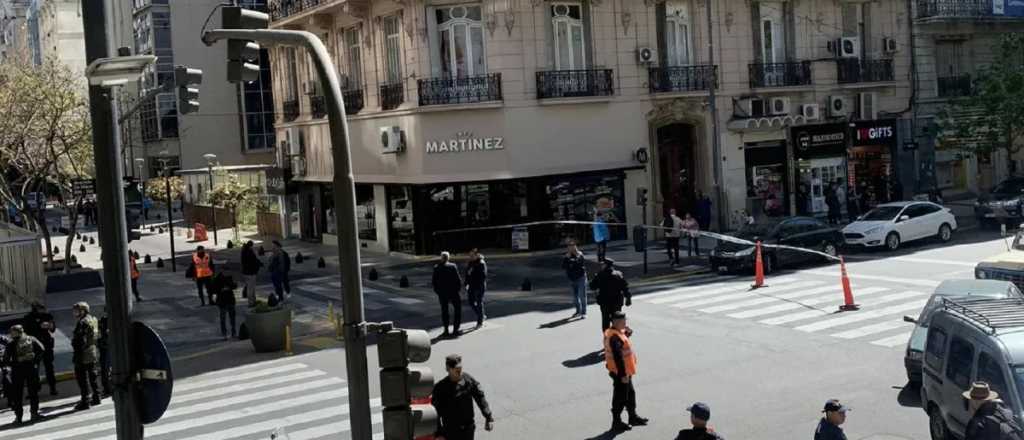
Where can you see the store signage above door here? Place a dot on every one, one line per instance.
(277, 182)
(879, 132)
(465, 141)
(819, 140)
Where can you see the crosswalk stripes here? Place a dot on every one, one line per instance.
(243, 403)
(807, 302)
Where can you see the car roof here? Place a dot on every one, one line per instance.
(899, 204)
(964, 287)
(1014, 344)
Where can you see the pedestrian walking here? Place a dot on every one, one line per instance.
(103, 344)
(829, 426)
(39, 324)
(612, 292)
(691, 229)
(673, 229)
(447, 284)
(990, 418)
(853, 204)
(601, 236)
(85, 356)
(703, 211)
(251, 265)
(700, 413)
(135, 276)
(840, 189)
(223, 285)
(575, 266)
(280, 267)
(22, 354)
(476, 284)
(453, 399)
(620, 360)
(201, 269)
(832, 202)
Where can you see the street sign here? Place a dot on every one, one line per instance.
(155, 378)
(83, 187)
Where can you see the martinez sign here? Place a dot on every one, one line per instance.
(463, 142)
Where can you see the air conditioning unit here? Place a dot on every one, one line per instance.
(838, 106)
(889, 45)
(291, 137)
(867, 108)
(810, 112)
(754, 107)
(646, 55)
(391, 139)
(778, 106)
(849, 47)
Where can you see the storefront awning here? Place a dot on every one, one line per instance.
(768, 123)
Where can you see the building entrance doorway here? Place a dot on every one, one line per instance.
(676, 173)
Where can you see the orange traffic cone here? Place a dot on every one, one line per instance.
(848, 305)
(758, 268)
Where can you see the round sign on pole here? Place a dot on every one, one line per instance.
(156, 380)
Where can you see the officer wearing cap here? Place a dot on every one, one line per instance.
(453, 399)
(620, 360)
(40, 325)
(23, 354)
(612, 291)
(86, 355)
(700, 413)
(828, 427)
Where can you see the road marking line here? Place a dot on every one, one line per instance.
(930, 261)
(714, 287)
(784, 319)
(873, 329)
(855, 276)
(770, 299)
(802, 304)
(742, 295)
(676, 293)
(403, 300)
(894, 340)
(269, 425)
(330, 429)
(862, 315)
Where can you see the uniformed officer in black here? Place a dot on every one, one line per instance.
(700, 413)
(39, 324)
(453, 399)
(828, 427)
(22, 354)
(612, 292)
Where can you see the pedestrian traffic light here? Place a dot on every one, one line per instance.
(641, 196)
(401, 383)
(243, 54)
(188, 96)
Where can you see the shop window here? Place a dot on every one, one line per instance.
(366, 212)
(958, 369)
(583, 198)
(402, 237)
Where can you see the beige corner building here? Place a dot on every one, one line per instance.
(498, 112)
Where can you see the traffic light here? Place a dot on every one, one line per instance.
(188, 96)
(401, 383)
(641, 196)
(242, 54)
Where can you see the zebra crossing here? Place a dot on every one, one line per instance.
(807, 302)
(310, 297)
(284, 397)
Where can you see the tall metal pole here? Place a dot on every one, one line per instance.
(716, 148)
(213, 209)
(113, 231)
(170, 216)
(643, 219)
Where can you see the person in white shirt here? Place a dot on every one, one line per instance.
(673, 230)
(692, 229)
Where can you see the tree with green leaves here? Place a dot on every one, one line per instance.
(230, 193)
(991, 117)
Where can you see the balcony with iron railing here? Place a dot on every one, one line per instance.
(464, 90)
(281, 9)
(681, 78)
(954, 86)
(575, 83)
(960, 9)
(391, 96)
(290, 110)
(353, 100)
(855, 70)
(318, 106)
(789, 74)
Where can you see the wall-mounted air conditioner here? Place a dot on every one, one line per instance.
(778, 106)
(391, 140)
(838, 106)
(810, 112)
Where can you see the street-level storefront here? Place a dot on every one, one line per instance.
(820, 154)
(872, 162)
(767, 178)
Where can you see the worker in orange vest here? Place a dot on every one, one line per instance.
(135, 276)
(202, 270)
(621, 363)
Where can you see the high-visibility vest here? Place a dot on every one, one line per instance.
(628, 356)
(202, 266)
(135, 269)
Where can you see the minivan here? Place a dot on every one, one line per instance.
(971, 340)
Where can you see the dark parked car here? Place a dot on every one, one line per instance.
(800, 232)
(1002, 204)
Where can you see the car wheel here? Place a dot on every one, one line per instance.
(945, 233)
(830, 249)
(936, 425)
(892, 241)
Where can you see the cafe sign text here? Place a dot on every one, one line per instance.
(463, 142)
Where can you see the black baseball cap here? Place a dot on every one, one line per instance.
(453, 361)
(700, 410)
(618, 315)
(834, 405)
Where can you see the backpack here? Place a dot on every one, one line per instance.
(1009, 429)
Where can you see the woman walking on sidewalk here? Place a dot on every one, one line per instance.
(251, 265)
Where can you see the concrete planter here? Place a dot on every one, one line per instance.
(267, 329)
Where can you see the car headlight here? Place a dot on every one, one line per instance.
(914, 355)
(873, 230)
(745, 252)
(980, 274)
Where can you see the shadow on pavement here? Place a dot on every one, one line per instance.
(909, 396)
(586, 360)
(607, 435)
(559, 323)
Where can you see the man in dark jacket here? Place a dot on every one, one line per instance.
(447, 284)
(280, 265)
(700, 413)
(453, 399)
(251, 265)
(991, 419)
(575, 266)
(39, 324)
(22, 354)
(612, 292)
(224, 287)
(829, 426)
(476, 284)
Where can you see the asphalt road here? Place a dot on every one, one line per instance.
(765, 361)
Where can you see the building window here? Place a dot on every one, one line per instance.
(350, 41)
(771, 32)
(167, 107)
(570, 42)
(459, 51)
(149, 121)
(678, 36)
(259, 108)
(291, 75)
(392, 50)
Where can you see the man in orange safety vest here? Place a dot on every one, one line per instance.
(135, 276)
(621, 363)
(202, 269)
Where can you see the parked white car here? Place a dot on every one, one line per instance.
(892, 224)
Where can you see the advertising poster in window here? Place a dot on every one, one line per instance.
(585, 197)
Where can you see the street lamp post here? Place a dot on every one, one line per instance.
(170, 213)
(210, 158)
(145, 211)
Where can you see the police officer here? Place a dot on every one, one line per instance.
(135, 276)
(453, 399)
(202, 269)
(828, 427)
(700, 413)
(23, 353)
(86, 355)
(612, 291)
(40, 325)
(621, 363)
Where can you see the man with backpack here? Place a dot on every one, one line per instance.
(991, 419)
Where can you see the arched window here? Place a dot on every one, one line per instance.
(461, 41)
(570, 43)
